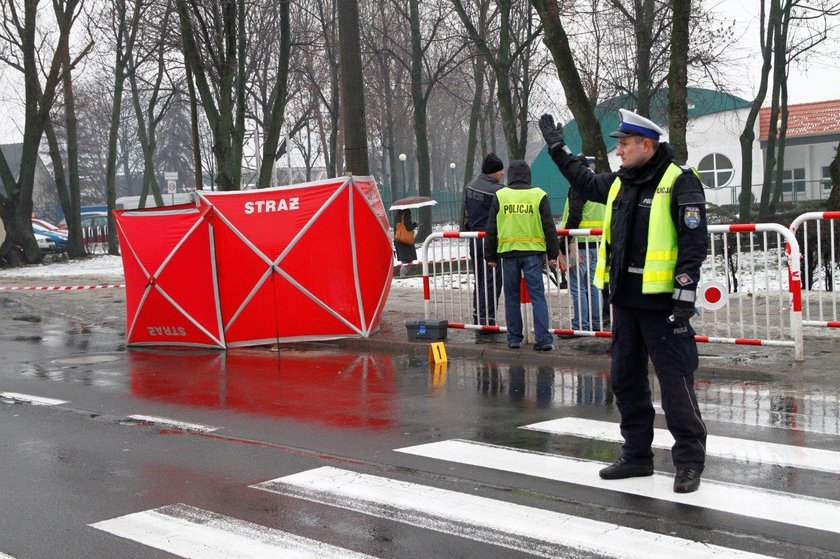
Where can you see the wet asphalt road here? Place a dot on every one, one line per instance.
(276, 413)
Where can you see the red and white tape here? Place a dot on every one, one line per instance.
(62, 287)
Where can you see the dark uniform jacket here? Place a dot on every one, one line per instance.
(478, 196)
(520, 178)
(630, 218)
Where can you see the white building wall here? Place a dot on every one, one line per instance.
(719, 133)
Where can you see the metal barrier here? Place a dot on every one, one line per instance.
(818, 240)
(750, 288)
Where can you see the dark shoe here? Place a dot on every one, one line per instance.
(623, 469)
(538, 347)
(687, 480)
(513, 345)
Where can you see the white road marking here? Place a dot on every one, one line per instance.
(531, 530)
(765, 504)
(725, 447)
(4, 556)
(172, 423)
(191, 532)
(29, 399)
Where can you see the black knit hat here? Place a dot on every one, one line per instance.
(491, 164)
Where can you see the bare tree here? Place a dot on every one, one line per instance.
(678, 78)
(558, 44)
(747, 137)
(24, 48)
(213, 35)
(502, 58)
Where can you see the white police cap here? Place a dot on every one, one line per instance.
(635, 125)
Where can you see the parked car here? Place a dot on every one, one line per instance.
(46, 244)
(58, 237)
(48, 226)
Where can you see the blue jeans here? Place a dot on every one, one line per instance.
(584, 294)
(532, 268)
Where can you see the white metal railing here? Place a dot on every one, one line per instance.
(818, 238)
(750, 287)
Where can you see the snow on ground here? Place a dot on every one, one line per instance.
(103, 265)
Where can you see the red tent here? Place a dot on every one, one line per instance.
(302, 262)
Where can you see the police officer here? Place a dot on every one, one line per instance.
(580, 213)
(653, 245)
(522, 232)
(478, 196)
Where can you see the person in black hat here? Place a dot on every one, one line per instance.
(478, 196)
(654, 242)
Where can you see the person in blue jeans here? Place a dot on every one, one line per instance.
(521, 231)
(582, 256)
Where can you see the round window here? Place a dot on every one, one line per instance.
(716, 170)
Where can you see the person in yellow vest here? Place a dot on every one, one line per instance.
(654, 242)
(581, 256)
(521, 231)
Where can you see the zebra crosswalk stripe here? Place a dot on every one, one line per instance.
(532, 530)
(765, 504)
(191, 532)
(726, 447)
(30, 399)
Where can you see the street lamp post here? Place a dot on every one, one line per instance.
(452, 177)
(405, 179)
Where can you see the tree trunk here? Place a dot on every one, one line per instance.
(766, 26)
(74, 185)
(643, 31)
(678, 78)
(475, 117)
(281, 91)
(196, 137)
(770, 160)
(113, 140)
(780, 150)
(74, 236)
(558, 44)
(352, 89)
(420, 125)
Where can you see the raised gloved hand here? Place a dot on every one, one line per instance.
(553, 134)
(681, 312)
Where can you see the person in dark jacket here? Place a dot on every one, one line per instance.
(653, 245)
(478, 197)
(521, 231)
(406, 253)
(579, 213)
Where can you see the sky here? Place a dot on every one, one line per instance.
(815, 82)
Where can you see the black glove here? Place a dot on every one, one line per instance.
(681, 313)
(553, 134)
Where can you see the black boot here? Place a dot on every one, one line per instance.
(623, 469)
(687, 480)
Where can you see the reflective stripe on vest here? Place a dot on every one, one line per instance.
(518, 222)
(661, 256)
(592, 218)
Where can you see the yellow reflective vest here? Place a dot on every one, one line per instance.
(518, 222)
(661, 257)
(592, 218)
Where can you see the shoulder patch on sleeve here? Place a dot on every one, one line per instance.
(691, 217)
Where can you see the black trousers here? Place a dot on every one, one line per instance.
(637, 335)
(488, 286)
